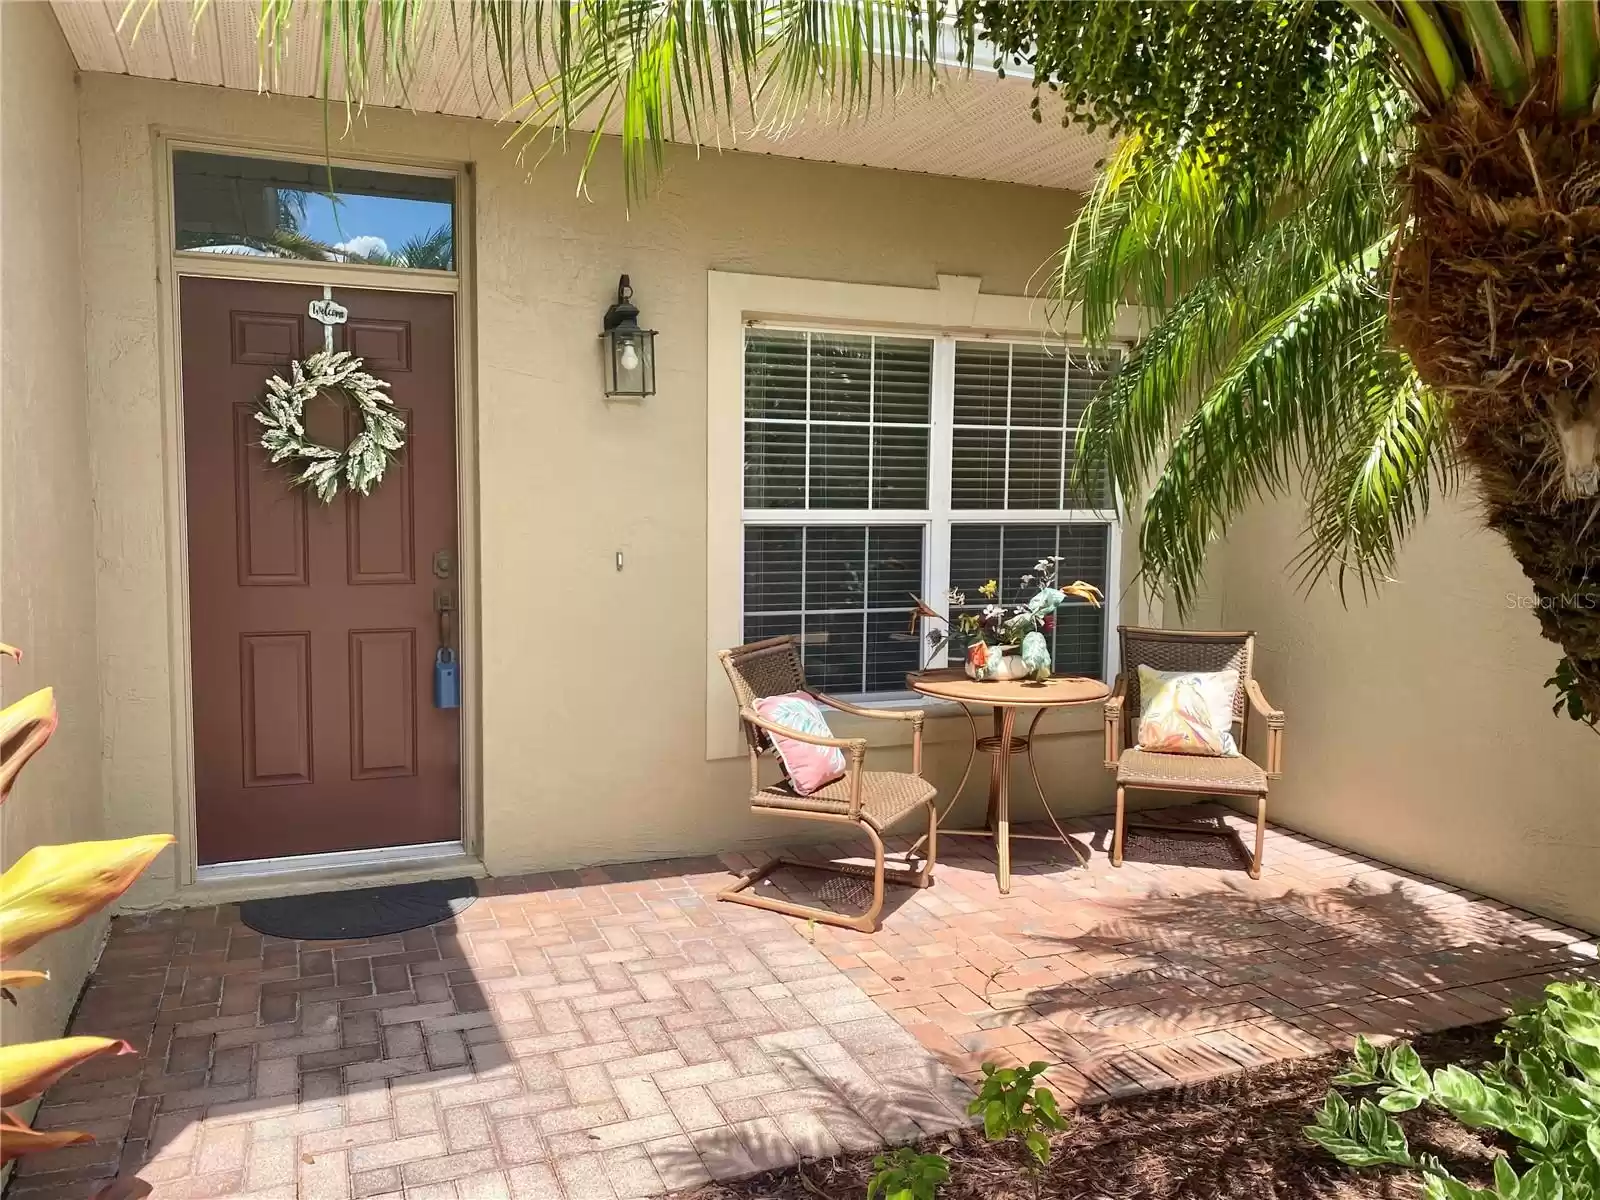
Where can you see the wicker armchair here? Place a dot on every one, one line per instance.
(870, 800)
(1179, 650)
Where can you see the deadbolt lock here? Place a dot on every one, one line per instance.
(444, 564)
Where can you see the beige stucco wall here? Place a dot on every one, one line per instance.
(593, 705)
(1418, 728)
(46, 545)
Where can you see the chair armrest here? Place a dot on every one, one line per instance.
(1114, 706)
(915, 715)
(860, 710)
(1275, 722)
(856, 746)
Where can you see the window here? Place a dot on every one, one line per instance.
(229, 204)
(854, 502)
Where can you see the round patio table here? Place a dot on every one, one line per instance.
(1004, 697)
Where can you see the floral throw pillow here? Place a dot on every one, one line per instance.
(808, 767)
(1187, 712)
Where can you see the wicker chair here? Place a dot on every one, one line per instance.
(1178, 650)
(870, 800)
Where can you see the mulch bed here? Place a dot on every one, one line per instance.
(1237, 1138)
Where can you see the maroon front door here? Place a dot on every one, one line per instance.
(313, 625)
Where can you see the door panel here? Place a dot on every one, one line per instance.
(275, 686)
(270, 519)
(313, 626)
(379, 542)
(383, 703)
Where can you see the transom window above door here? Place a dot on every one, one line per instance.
(277, 208)
(877, 467)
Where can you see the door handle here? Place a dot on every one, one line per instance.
(444, 603)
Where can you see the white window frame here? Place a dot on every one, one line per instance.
(955, 311)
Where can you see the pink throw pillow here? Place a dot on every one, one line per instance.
(809, 767)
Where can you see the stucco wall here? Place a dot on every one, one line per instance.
(593, 703)
(1418, 727)
(46, 540)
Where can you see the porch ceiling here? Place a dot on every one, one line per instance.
(976, 127)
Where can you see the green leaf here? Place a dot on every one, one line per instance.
(1382, 1133)
(1570, 1106)
(994, 1121)
(1542, 1183)
(1505, 1179)
(1335, 1112)
(1045, 1101)
(1399, 1100)
(1462, 1093)
(1581, 1028)
(1444, 1187)
(1354, 1078)
(1405, 1068)
(1347, 1150)
(1039, 1145)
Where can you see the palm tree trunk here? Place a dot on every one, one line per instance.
(1497, 300)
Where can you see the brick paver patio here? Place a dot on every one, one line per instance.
(1178, 966)
(616, 1032)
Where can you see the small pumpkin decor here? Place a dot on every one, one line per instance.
(361, 465)
(1007, 641)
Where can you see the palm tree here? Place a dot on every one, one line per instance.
(1365, 229)
(1396, 278)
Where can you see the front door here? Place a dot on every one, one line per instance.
(314, 626)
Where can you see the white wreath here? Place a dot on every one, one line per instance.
(363, 462)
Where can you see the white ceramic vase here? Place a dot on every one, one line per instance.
(1006, 663)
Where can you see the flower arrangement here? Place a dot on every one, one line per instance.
(1002, 629)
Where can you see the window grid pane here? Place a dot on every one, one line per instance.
(1016, 411)
(836, 420)
(1087, 370)
(845, 590)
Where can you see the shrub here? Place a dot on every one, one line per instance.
(1013, 1107)
(907, 1175)
(1544, 1095)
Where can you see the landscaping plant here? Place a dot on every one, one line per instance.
(1544, 1096)
(907, 1175)
(1013, 1106)
(48, 889)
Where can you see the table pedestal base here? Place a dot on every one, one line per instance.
(1000, 746)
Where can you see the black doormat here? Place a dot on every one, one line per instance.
(367, 912)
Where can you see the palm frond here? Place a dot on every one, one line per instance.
(1267, 363)
(1277, 411)
(653, 71)
(1155, 223)
(1368, 494)
(694, 70)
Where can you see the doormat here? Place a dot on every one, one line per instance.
(364, 913)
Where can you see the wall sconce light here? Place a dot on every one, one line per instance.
(630, 351)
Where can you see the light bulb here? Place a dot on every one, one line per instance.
(630, 357)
